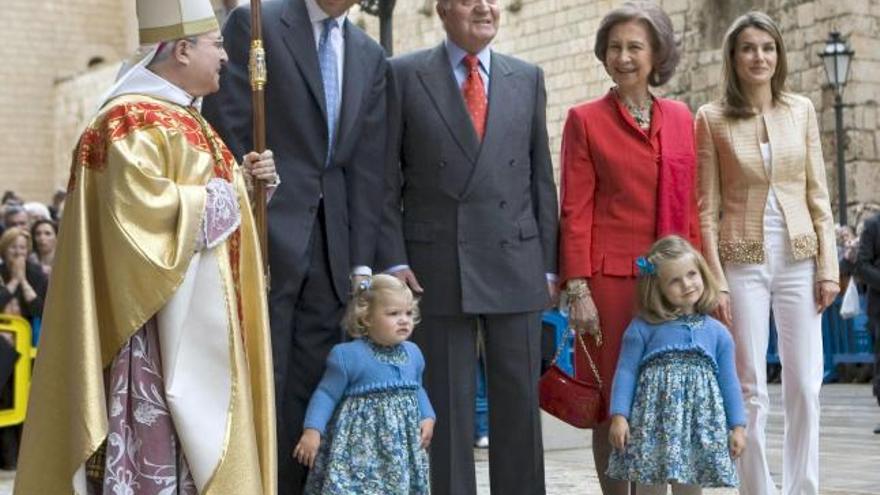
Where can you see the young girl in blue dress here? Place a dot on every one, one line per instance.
(676, 405)
(369, 422)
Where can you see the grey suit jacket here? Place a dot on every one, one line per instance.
(477, 222)
(350, 187)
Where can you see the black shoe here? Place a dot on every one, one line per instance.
(877, 430)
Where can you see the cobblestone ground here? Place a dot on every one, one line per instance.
(848, 457)
(6, 480)
(847, 464)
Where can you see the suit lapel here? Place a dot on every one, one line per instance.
(437, 78)
(353, 83)
(300, 41)
(501, 93)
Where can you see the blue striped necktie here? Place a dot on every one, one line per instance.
(330, 78)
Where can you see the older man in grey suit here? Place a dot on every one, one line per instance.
(471, 217)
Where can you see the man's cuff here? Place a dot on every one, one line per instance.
(396, 268)
(362, 271)
(552, 277)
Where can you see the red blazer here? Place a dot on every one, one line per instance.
(610, 171)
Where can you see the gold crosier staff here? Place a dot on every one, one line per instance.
(257, 70)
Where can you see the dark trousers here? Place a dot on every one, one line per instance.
(874, 324)
(513, 366)
(305, 326)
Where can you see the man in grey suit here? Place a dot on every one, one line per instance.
(471, 218)
(325, 117)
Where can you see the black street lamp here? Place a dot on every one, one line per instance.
(383, 9)
(837, 56)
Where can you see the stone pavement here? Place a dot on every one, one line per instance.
(848, 463)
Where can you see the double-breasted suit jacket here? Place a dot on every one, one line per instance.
(477, 222)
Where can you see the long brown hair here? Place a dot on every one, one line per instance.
(736, 105)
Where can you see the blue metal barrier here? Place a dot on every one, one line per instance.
(843, 341)
(853, 342)
(559, 323)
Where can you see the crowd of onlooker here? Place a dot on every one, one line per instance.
(859, 259)
(28, 235)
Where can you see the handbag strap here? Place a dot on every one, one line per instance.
(590, 359)
(580, 339)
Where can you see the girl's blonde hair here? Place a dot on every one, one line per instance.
(367, 295)
(653, 305)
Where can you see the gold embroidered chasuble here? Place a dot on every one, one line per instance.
(127, 246)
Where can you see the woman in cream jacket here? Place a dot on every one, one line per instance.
(768, 235)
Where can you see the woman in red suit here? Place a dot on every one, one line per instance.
(628, 174)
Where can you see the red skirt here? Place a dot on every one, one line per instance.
(615, 299)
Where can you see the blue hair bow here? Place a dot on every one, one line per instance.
(646, 268)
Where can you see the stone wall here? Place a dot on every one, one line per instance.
(44, 42)
(558, 35)
(75, 102)
(57, 58)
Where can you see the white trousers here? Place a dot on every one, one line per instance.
(788, 287)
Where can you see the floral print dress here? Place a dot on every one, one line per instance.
(678, 428)
(372, 444)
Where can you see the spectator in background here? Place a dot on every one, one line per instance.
(15, 216)
(23, 279)
(868, 269)
(45, 235)
(481, 401)
(36, 211)
(10, 198)
(57, 206)
(847, 249)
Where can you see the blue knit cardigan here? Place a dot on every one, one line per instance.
(352, 369)
(642, 340)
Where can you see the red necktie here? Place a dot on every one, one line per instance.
(475, 94)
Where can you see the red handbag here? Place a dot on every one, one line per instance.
(579, 403)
